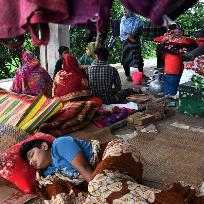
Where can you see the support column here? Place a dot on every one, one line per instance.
(59, 35)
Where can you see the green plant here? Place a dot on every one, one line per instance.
(10, 59)
(191, 20)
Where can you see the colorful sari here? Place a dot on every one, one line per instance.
(31, 78)
(70, 82)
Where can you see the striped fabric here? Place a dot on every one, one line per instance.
(40, 110)
(26, 113)
(12, 109)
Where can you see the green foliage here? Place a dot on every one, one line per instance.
(191, 20)
(77, 34)
(77, 44)
(148, 49)
(10, 59)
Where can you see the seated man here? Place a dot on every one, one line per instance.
(102, 78)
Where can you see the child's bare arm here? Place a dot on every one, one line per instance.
(79, 162)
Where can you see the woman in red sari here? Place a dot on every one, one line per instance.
(70, 83)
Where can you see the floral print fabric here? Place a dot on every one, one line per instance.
(198, 65)
(31, 78)
(107, 175)
(18, 171)
(116, 180)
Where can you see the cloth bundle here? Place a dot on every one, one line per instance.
(106, 118)
(41, 109)
(26, 112)
(198, 65)
(198, 68)
(73, 116)
(12, 108)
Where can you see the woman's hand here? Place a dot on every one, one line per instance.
(79, 162)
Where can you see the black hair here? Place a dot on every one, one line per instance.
(199, 33)
(102, 53)
(62, 49)
(175, 26)
(27, 146)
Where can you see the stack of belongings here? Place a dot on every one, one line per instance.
(175, 45)
(191, 94)
(74, 115)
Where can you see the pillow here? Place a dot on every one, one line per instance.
(11, 135)
(18, 171)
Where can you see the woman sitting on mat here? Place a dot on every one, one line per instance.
(89, 57)
(70, 82)
(31, 78)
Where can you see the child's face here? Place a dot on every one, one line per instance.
(39, 157)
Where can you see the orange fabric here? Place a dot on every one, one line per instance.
(173, 64)
(96, 100)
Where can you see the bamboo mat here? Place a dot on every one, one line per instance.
(171, 155)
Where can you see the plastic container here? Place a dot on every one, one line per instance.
(173, 64)
(171, 84)
(137, 77)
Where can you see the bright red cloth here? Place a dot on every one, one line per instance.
(200, 42)
(70, 82)
(96, 100)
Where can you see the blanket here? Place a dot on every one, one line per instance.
(105, 118)
(117, 178)
(13, 107)
(26, 112)
(73, 116)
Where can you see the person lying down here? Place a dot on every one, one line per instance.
(77, 171)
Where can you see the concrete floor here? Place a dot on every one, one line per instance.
(149, 65)
(6, 83)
